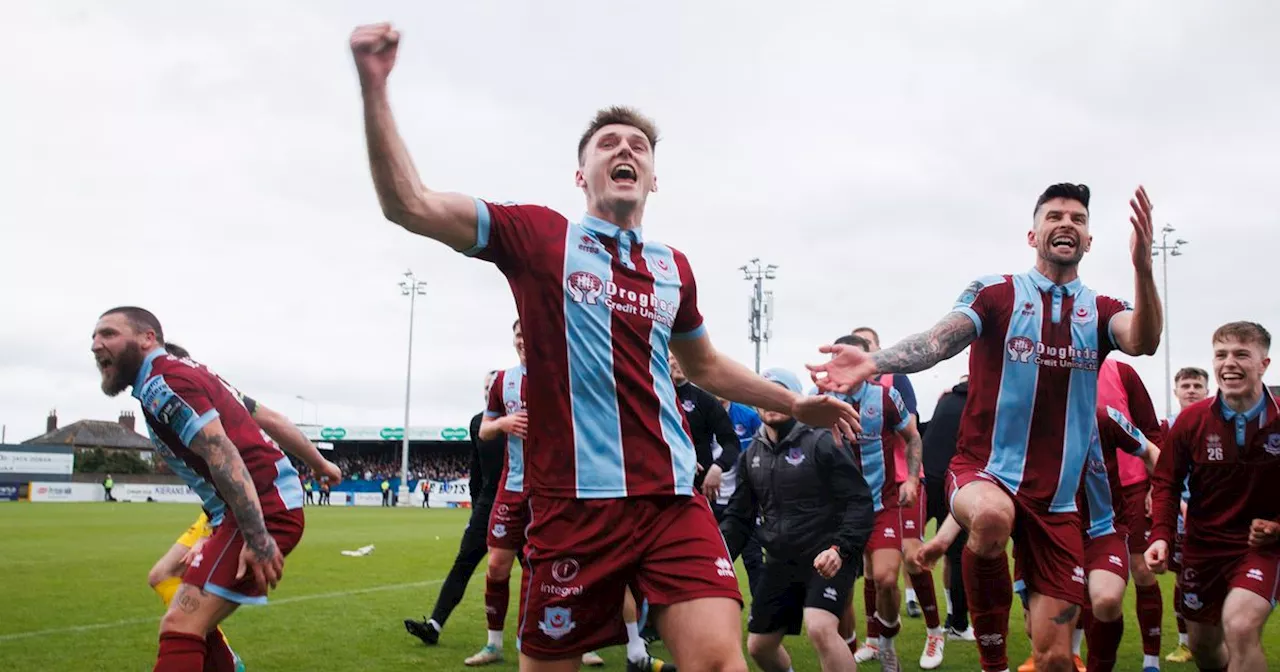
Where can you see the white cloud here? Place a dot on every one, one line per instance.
(211, 167)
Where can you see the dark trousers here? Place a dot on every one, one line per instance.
(386, 498)
(470, 552)
(752, 554)
(938, 505)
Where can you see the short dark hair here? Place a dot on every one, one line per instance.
(1245, 332)
(177, 351)
(140, 319)
(1190, 372)
(1074, 192)
(857, 341)
(618, 114)
(869, 330)
(515, 324)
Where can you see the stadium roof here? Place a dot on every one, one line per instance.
(95, 434)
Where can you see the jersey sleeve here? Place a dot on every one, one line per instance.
(1108, 309)
(180, 403)
(977, 301)
(508, 235)
(896, 414)
(1117, 429)
(496, 408)
(688, 321)
(1170, 480)
(1141, 409)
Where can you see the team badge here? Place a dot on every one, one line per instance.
(687, 405)
(1273, 445)
(1082, 315)
(584, 287)
(1020, 349)
(557, 622)
(794, 456)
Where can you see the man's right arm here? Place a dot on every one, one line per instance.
(740, 516)
(924, 350)
(1166, 488)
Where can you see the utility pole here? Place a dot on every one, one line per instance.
(760, 313)
(412, 288)
(1165, 250)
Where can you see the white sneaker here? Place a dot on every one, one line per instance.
(961, 636)
(931, 659)
(867, 653)
(889, 661)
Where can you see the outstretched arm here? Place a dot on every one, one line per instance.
(945, 340)
(1138, 332)
(448, 218)
(293, 441)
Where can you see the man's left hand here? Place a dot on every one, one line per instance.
(828, 563)
(908, 492)
(1263, 533)
(711, 483)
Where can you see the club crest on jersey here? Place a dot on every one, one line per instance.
(869, 411)
(1273, 445)
(794, 456)
(1082, 315)
(557, 622)
(584, 287)
(687, 405)
(661, 267)
(970, 293)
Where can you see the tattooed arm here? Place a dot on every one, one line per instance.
(945, 340)
(235, 486)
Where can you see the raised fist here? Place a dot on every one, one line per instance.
(374, 49)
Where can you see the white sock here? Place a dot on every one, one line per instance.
(911, 595)
(1077, 636)
(495, 638)
(936, 632)
(1183, 640)
(636, 650)
(1151, 661)
(852, 638)
(886, 643)
(950, 610)
(437, 626)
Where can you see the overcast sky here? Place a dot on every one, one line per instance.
(209, 165)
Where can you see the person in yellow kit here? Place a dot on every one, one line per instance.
(386, 492)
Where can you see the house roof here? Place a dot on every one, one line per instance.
(95, 434)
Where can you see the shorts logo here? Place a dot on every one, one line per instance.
(1115, 560)
(725, 568)
(195, 562)
(557, 622)
(565, 570)
(1082, 315)
(1028, 309)
(588, 245)
(830, 594)
(1191, 600)
(889, 533)
(1273, 445)
(909, 524)
(794, 456)
(1255, 574)
(584, 287)
(1020, 349)
(1154, 632)
(687, 405)
(1077, 575)
(499, 531)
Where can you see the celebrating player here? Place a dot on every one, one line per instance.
(1120, 388)
(201, 421)
(1038, 338)
(610, 465)
(1230, 447)
(888, 429)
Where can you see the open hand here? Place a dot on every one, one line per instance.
(266, 562)
(847, 367)
(1143, 229)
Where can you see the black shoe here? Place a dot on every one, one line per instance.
(424, 630)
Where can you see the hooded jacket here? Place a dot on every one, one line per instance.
(808, 492)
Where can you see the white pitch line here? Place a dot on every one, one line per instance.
(272, 603)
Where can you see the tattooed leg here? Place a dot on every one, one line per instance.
(194, 611)
(1052, 622)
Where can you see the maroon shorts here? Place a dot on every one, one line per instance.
(1207, 578)
(914, 517)
(886, 532)
(1175, 554)
(1048, 548)
(1108, 553)
(1134, 512)
(214, 567)
(583, 553)
(508, 520)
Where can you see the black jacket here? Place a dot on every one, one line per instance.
(940, 438)
(486, 465)
(810, 496)
(707, 420)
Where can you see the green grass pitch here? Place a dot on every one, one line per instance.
(73, 596)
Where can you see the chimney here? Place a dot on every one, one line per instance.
(126, 420)
(51, 423)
